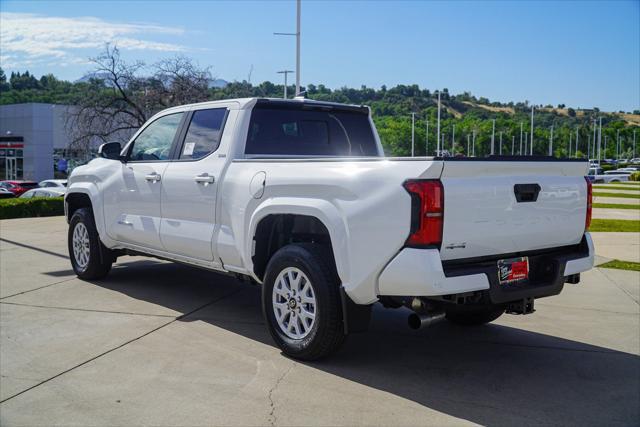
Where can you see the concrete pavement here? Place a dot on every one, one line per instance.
(158, 343)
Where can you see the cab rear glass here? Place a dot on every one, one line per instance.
(303, 130)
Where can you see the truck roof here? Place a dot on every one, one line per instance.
(246, 103)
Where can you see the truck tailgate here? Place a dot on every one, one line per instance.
(491, 207)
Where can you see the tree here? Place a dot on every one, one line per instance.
(4, 85)
(121, 99)
(571, 112)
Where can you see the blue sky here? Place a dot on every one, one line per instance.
(583, 54)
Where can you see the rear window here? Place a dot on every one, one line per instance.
(29, 184)
(310, 132)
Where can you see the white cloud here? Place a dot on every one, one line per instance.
(28, 38)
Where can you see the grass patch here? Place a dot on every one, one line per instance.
(616, 206)
(612, 225)
(621, 265)
(616, 187)
(621, 195)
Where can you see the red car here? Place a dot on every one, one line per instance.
(18, 187)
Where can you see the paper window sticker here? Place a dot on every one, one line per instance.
(188, 148)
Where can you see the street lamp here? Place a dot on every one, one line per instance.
(297, 34)
(286, 73)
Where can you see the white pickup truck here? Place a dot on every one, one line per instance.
(297, 196)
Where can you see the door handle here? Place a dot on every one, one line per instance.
(153, 177)
(123, 222)
(204, 178)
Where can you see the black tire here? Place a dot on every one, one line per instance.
(100, 257)
(474, 317)
(326, 334)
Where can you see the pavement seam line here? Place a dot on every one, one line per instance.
(272, 415)
(121, 345)
(86, 310)
(41, 287)
(616, 285)
(35, 248)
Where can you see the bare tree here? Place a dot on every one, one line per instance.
(122, 96)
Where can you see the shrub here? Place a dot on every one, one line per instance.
(635, 176)
(36, 206)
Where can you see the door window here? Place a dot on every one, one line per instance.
(204, 134)
(155, 141)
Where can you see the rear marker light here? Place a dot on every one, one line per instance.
(427, 212)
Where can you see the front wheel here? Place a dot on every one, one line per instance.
(89, 258)
(301, 301)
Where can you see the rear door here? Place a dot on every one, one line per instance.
(132, 197)
(504, 207)
(191, 182)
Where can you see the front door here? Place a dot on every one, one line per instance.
(190, 185)
(132, 198)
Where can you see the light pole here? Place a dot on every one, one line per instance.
(575, 153)
(297, 34)
(520, 152)
(551, 143)
(468, 145)
(618, 145)
(593, 151)
(493, 136)
(600, 141)
(570, 142)
(285, 72)
(531, 142)
(453, 140)
(426, 139)
(438, 131)
(513, 143)
(413, 134)
(634, 144)
(500, 150)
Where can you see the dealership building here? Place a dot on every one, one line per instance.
(34, 143)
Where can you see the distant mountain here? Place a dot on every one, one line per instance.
(218, 83)
(97, 76)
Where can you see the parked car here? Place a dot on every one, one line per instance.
(596, 175)
(43, 192)
(635, 160)
(6, 194)
(18, 187)
(630, 169)
(296, 196)
(53, 183)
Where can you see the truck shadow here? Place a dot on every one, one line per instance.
(491, 374)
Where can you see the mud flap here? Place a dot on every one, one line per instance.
(355, 317)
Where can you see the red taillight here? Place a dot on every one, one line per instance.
(587, 221)
(427, 212)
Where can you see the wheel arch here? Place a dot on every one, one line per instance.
(318, 217)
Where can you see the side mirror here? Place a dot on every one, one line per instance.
(110, 150)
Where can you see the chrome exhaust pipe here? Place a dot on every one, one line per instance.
(417, 321)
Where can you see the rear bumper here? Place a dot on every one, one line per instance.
(420, 272)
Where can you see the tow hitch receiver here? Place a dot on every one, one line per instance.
(523, 306)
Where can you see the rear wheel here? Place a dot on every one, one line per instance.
(90, 259)
(472, 317)
(301, 301)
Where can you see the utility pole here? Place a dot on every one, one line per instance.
(634, 144)
(500, 150)
(297, 34)
(493, 136)
(285, 72)
(551, 143)
(513, 143)
(468, 145)
(575, 153)
(520, 139)
(588, 146)
(618, 145)
(413, 134)
(570, 136)
(531, 143)
(438, 131)
(525, 143)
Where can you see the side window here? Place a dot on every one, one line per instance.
(154, 143)
(204, 134)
